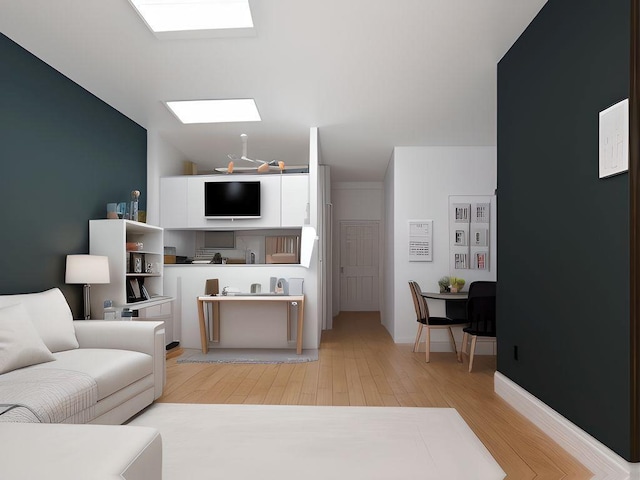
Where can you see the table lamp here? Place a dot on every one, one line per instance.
(87, 269)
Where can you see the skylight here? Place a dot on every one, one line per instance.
(194, 15)
(215, 111)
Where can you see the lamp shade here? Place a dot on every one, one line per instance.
(87, 269)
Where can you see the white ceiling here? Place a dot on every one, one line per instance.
(371, 74)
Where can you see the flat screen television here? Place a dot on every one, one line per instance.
(232, 199)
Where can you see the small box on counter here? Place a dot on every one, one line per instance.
(169, 254)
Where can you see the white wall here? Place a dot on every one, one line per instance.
(423, 178)
(163, 160)
(387, 311)
(355, 201)
(312, 287)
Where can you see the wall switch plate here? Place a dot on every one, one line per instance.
(613, 141)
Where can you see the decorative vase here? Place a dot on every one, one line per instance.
(453, 289)
(112, 210)
(133, 211)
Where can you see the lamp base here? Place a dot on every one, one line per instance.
(87, 301)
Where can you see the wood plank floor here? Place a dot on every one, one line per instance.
(360, 365)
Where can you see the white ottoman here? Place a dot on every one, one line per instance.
(89, 452)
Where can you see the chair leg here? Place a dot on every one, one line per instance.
(416, 345)
(428, 344)
(473, 351)
(463, 347)
(453, 342)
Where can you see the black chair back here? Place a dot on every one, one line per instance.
(481, 309)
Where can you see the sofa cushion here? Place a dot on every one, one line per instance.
(111, 369)
(50, 314)
(48, 395)
(20, 344)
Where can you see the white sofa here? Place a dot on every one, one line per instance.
(56, 370)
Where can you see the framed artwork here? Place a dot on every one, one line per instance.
(136, 263)
(133, 290)
(145, 293)
(470, 231)
(420, 240)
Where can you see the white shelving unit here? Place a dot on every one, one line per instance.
(110, 237)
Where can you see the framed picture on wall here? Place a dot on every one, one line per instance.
(420, 240)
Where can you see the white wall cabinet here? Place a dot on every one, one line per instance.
(110, 238)
(294, 200)
(270, 210)
(283, 202)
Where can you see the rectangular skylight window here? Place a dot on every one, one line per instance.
(215, 111)
(194, 15)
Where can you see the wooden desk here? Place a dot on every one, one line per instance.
(455, 303)
(216, 299)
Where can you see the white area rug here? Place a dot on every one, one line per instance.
(248, 355)
(269, 442)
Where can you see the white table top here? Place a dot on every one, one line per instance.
(250, 297)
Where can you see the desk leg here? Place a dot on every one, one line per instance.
(300, 324)
(289, 320)
(203, 330)
(216, 322)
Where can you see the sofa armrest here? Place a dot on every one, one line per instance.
(146, 337)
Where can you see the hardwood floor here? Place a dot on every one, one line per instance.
(360, 365)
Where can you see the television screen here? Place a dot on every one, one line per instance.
(232, 199)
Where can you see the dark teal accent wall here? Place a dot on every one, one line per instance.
(563, 250)
(64, 154)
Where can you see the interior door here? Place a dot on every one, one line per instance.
(359, 266)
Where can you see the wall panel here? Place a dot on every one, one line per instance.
(64, 154)
(563, 233)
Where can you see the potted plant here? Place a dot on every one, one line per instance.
(444, 283)
(457, 284)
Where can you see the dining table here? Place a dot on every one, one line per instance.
(455, 303)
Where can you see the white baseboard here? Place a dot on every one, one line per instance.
(603, 462)
(484, 346)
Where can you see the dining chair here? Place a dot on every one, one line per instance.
(427, 321)
(481, 315)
